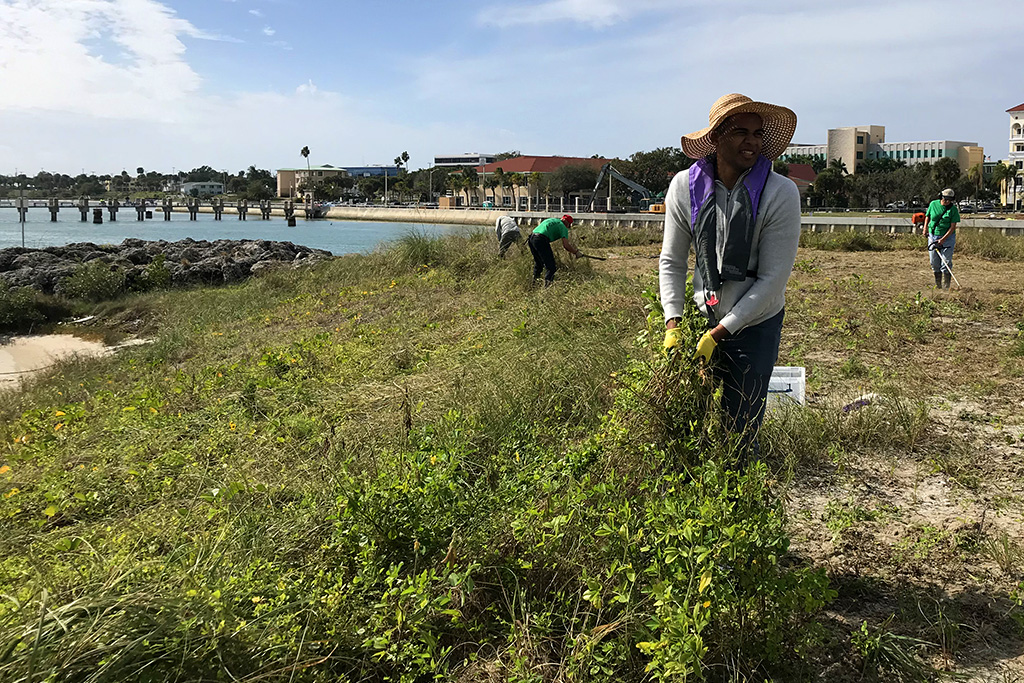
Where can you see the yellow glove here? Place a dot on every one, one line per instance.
(673, 340)
(705, 347)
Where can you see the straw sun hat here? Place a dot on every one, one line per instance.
(779, 125)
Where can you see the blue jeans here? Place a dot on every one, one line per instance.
(947, 252)
(744, 366)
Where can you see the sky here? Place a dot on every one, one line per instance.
(109, 85)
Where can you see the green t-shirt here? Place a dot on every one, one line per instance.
(939, 219)
(552, 228)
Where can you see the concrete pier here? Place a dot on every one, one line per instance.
(243, 209)
(167, 206)
(192, 204)
(83, 207)
(53, 206)
(112, 206)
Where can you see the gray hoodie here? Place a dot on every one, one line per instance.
(772, 253)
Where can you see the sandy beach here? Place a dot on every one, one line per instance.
(22, 357)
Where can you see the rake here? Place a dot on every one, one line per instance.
(945, 263)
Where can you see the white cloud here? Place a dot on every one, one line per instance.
(256, 13)
(268, 31)
(107, 58)
(595, 13)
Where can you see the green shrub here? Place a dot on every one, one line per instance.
(93, 281)
(18, 309)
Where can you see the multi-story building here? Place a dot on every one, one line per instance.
(1012, 192)
(855, 144)
(468, 159)
(289, 180)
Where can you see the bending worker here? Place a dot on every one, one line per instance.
(507, 232)
(540, 241)
(940, 221)
(743, 221)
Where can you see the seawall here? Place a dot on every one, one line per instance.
(485, 217)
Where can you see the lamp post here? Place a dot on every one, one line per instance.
(21, 210)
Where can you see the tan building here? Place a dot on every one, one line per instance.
(855, 144)
(289, 180)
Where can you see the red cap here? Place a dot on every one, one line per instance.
(567, 219)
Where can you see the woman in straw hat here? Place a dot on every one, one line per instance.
(743, 221)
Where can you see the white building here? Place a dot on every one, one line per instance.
(207, 189)
(469, 159)
(1015, 195)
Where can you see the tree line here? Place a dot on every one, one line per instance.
(879, 182)
(252, 183)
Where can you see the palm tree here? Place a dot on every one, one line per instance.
(974, 174)
(516, 180)
(309, 173)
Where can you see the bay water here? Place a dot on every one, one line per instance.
(336, 236)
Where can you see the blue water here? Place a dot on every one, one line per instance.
(338, 237)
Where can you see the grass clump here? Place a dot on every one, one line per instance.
(391, 469)
(94, 281)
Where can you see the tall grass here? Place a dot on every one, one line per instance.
(985, 243)
(407, 465)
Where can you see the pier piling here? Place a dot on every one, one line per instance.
(112, 206)
(83, 207)
(53, 205)
(97, 216)
(243, 208)
(167, 206)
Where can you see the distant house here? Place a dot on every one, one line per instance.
(205, 189)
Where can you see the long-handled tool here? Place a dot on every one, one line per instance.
(946, 264)
(596, 258)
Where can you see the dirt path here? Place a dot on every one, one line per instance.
(925, 542)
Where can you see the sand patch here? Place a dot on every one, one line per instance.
(22, 357)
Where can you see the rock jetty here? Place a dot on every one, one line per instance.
(190, 262)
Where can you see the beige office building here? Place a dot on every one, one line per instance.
(289, 180)
(855, 144)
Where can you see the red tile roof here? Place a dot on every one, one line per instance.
(1019, 107)
(539, 164)
(802, 172)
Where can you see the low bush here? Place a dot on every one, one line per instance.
(22, 309)
(94, 281)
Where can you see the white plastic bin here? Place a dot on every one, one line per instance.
(787, 384)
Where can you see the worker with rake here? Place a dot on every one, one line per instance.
(743, 222)
(548, 231)
(940, 221)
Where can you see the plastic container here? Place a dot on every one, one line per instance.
(787, 384)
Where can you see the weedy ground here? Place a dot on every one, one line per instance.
(413, 465)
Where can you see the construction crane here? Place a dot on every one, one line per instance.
(637, 188)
